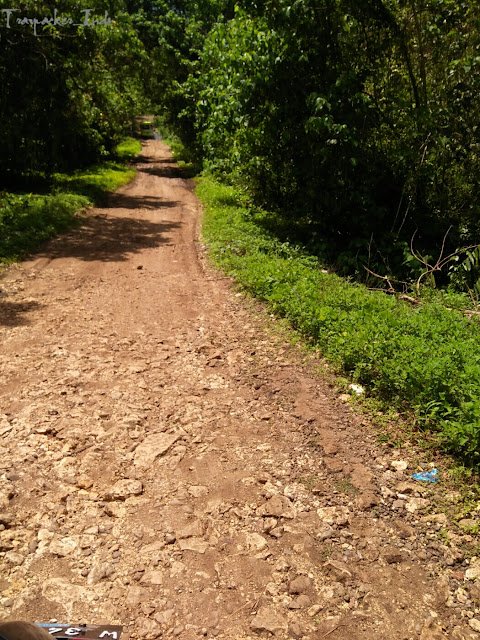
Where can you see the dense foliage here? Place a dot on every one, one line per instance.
(27, 220)
(356, 122)
(422, 361)
(68, 92)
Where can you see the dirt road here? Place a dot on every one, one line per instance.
(168, 464)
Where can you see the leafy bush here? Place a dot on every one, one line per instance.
(128, 149)
(94, 182)
(27, 221)
(70, 92)
(422, 359)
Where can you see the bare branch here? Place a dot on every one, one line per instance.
(418, 257)
(384, 278)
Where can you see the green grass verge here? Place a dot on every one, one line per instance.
(425, 359)
(99, 180)
(186, 160)
(95, 182)
(27, 220)
(128, 149)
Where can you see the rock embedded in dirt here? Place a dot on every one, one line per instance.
(339, 516)
(398, 505)
(463, 633)
(256, 542)
(278, 507)
(474, 624)
(164, 617)
(135, 596)
(315, 610)
(154, 446)
(277, 532)
(268, 620)
(193, 544)
(6, 541)
(282, 565)
(338, 569)
(146, 628)
(170, 538)
(416, 504)
(301, 584)
(269, 524)
(6, 519)
(436, 519)
(99, 571)
(324, 532)
(63, 547)
(152, 577)
(473, 571)
(195, 529)
(61, 590)
(197, 491)
(295, 630)
(13, 558)
(5, 496)
(399, 465)
(125, 488)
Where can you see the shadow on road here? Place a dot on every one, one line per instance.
(110, 239)
(14, 314)
(141, 159)
(126, 201)
(166, 171)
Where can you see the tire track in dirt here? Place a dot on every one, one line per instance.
(170, 465)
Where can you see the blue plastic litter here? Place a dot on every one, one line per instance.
(426, 476)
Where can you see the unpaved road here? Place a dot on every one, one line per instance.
(169, 464)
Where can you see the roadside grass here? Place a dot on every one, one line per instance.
(27, 220)
(128, 149)
(420, 361)
(184, 158)
(95, 182)
(185, 161)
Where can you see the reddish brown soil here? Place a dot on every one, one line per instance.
(169, 463)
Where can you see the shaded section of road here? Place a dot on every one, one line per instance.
(14, 314)
(165, 171)
(111, 238)
(127, 201)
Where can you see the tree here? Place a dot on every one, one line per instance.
(68, 91)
